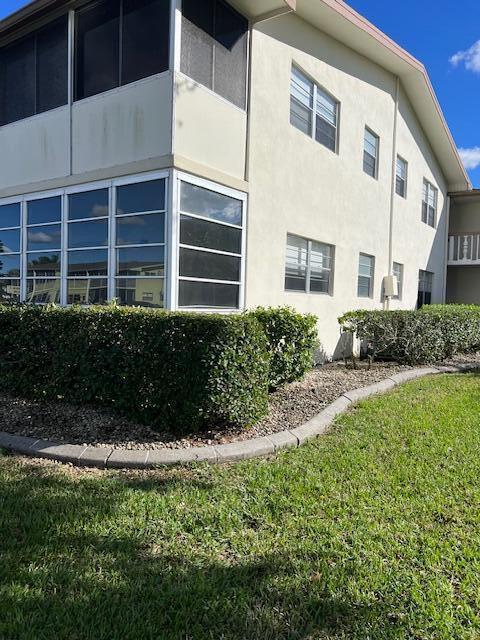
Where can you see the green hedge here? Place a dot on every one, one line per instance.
(292, 339)
(175, 371)
(428, 335)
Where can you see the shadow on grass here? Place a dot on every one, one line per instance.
(76, 565)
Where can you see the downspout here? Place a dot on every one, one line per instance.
(386, 302)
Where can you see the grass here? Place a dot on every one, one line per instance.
(371, 532)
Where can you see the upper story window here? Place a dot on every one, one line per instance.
(313, 110)
(401, 177)
(366, 275)
(34, 73)
(214, 48)
(429, 204)
(309, 265)
(371, 144)
(118, 42)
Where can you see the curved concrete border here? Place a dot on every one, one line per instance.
(104, 458)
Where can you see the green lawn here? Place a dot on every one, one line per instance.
(371, 532)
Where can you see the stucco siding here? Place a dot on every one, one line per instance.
(298, 186)
(35, 149)
(124, 125)
(209, 130)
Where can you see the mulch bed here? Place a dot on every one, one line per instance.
(290, 407)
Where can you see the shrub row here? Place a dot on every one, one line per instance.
(292, 339)
(428, 335)
(175, 371)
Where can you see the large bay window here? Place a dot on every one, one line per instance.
(94, 243)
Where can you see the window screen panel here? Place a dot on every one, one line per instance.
(97, 48)
(46, 264)
(212, 266)
(9, 291)
(9, 266)
(145, 38)
(43, 291)
(141, 292)
(198, 41)
(326, 134)
(10, 215)
(369, 164)
(231, 38)
(141, 197)
(52, 66)
(200, 233)
(44, 210)
(209, 204)
(205, 295)
(301, 102)
(141, 261)
(88, 204)
(44, 238)
(17, 98)
(87, 291)
(10, 241)
(92, 262)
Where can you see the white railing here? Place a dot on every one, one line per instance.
(464, 249)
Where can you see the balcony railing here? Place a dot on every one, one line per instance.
(464, 249)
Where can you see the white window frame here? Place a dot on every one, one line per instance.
(377, 151)
(308, 271)
(111, 185)
(395, 272)
(178, 178)
(317, 88)
(428, 190)
(18, 228)
(399, 177)
(371, 277)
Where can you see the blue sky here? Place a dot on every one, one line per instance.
(434, 31)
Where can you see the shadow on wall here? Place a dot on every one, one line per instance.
(84, 560)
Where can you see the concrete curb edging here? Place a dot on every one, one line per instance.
(105, 458)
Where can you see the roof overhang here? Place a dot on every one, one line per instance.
(340, 21)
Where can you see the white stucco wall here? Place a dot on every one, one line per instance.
(35, 149)
(298, 186)
(124, 125)
(209, 130)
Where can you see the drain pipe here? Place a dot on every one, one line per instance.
(386, 302)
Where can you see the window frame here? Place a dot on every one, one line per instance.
(203, 183)
(399, 296)
(308, 272)
(377, 149)
(425, 277)
(317, 88)
(429, 189)
(404, 180)
(14, 253)
(371, 291)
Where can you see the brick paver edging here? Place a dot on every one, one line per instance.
(105, 458)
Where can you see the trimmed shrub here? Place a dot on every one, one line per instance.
(292, 340)
(428, 335)
(176, 371)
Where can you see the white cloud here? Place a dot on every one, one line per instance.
(470, 58)
(470, 157)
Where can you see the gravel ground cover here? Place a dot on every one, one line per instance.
(290, 407)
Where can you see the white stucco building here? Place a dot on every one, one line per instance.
(213, 155)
